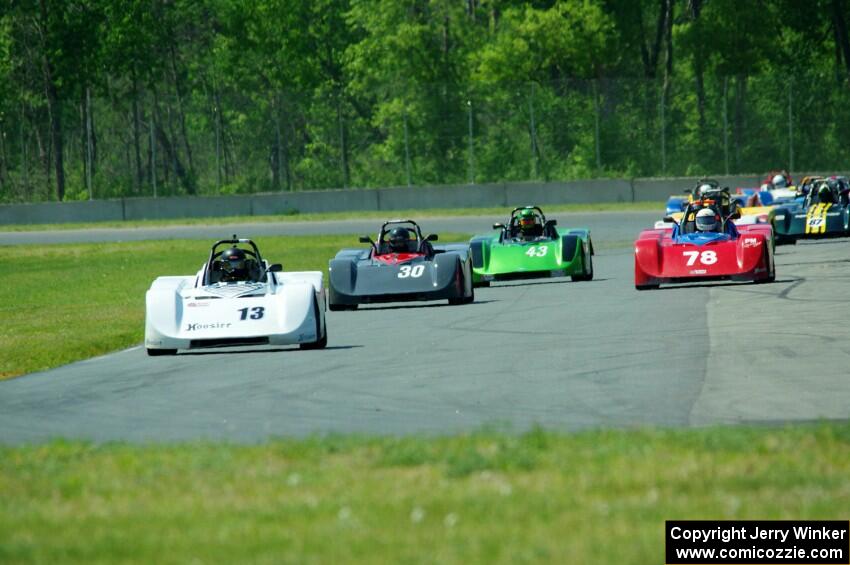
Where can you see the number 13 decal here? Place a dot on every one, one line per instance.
(413, 272)
(257, 313)
(706, 257)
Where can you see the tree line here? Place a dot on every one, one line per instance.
(105, 98)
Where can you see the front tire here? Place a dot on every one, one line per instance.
(471, 298)
(587, 261)
(322, 342)
(161, 352)
(771, 276)
(463, 299)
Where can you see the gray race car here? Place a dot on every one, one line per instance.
(401, 265)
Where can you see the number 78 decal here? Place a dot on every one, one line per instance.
(706, 257)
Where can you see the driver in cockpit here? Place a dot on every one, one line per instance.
(707, 220)
(234, 265)
(530, 227)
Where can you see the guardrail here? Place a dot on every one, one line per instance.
(423, 197)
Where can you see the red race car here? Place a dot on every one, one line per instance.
(687, 253)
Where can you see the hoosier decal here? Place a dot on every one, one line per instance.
(210, 326)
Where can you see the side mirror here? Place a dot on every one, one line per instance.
(669, 219)
(688, 190)
(551, 222)
(432, 237)
(498, 226)
(365, 239)
(276, 268)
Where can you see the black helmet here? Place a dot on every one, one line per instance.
(825, 193)
(398, 239)
(233, 263)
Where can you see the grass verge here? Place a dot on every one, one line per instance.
(489, 497)
(63, 303)
(497, 213)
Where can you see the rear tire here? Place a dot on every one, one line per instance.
(161, 352)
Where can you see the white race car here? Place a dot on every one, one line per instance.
(237, 298)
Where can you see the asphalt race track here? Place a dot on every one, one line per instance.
(619, 226)
(565, 355)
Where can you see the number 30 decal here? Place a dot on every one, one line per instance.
(706, 257)
(538, 251)
(412, 272)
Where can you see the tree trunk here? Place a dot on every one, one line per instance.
(93, 133)
(840, 26)
(84, 120)
(668, 41)
(343, 144)
(171, 155)
(668, 72)
(4, 170)
(694, 7)
(740, 101)
(53, 109)
(276, 146)
(649, 55)
(700, 88)
(181, 116)
(137, 134)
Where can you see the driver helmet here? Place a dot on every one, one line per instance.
(528, 220)
(706, 220)
(398, 238)
(703, 188)
(779, 181)
(824, 193)
(234, 264)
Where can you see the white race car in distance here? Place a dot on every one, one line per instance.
(237, 298)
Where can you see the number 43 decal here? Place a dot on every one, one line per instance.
(706, 257)
(537, 251)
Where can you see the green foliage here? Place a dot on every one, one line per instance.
(225, 96)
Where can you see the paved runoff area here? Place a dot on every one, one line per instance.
(566, 355)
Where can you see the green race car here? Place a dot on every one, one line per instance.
(530, 246)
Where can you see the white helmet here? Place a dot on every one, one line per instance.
(704, 187)
(706, 220)
(779, 181)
